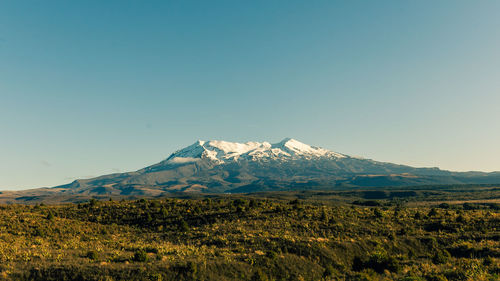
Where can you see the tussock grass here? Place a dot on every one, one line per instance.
(249, 238)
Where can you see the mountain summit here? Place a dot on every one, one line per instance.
(221, 166)
(223, 152)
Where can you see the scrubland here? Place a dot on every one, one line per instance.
(245, 237)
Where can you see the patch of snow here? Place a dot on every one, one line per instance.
(182, 160)
(223, 151)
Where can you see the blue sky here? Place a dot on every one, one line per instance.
(95, 87)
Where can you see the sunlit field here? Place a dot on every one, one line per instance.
(243, 237)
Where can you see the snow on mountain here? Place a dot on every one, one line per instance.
(221, 166)
(222, 151)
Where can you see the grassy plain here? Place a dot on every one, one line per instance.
(446, 233)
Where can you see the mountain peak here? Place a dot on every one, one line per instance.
(293, 144)
(221, 152)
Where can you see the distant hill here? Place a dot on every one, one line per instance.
(228, 167)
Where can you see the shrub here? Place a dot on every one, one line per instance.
(259, 276)
(417, 215)
(433, 212)
(468, 206)
(238, 202)
(92, 255)
(39, 232)
(164, 212)
(272, 255)
(378, 262)
(183, 226)
(441, 257)
(378, 213)
(252, 203)
(460, 219)
(488, 261)
(140, 256)
(192, 268)
(444, 206)
(50, 216)
(92, 202)
(329, 271)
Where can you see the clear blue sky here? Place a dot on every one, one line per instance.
(95, 87)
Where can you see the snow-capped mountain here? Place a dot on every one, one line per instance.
(224, 152)
(221, 166)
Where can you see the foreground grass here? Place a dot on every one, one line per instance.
(248, 239)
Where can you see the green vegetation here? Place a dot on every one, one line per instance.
(251, 237)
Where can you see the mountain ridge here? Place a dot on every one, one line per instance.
(228, 167)
(222, 151)
(221, 166)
